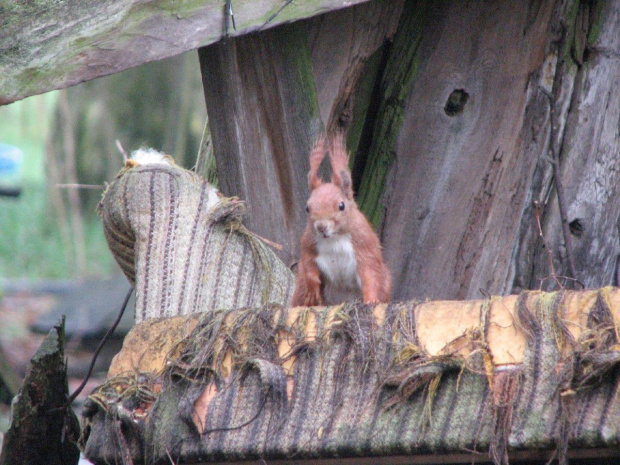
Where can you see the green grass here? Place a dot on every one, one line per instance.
(32, 244)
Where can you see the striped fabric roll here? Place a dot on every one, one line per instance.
(183, 246)
(298, 384)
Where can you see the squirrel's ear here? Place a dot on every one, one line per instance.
(345, 184)
(339, 158)
(316, 157)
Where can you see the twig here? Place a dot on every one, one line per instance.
(170, 457)
(99, 347)
(559, 188)
(273, 16)
(122, 150)
(553, 274)
(545, 245)
(275, 245)
(79, 186)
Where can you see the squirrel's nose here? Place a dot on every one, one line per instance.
(323, 228)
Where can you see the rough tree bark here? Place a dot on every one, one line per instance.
(586, 90)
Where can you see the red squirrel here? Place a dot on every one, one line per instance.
(341, 255)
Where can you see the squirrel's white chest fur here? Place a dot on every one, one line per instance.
(336, 261)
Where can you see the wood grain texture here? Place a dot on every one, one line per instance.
(341, 43)
(264, 118)
(458, 184)
(52, 45)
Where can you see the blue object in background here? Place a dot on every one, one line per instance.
(11, 161)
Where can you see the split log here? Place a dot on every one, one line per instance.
(43, 429)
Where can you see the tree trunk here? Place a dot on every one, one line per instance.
(472, 152)
(586, 92)
(450, 123)
(454, 141)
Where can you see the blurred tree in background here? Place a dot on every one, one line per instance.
(159, 105)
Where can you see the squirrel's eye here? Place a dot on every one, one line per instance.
(307, 209)
(341, 206)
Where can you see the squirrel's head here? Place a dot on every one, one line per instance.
(330, 204)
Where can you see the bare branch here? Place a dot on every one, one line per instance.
(79, 186)
(122, 150)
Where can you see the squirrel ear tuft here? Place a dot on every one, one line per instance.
(316, 157)
(345, 184)
(339, 158)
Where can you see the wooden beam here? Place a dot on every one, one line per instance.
(264, 117)
(51, 45)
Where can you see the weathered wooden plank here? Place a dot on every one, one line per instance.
(264, 118)
(52, 45)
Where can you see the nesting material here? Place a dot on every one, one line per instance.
(148, 156)
(538, 371)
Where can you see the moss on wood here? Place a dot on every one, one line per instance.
(397, 82)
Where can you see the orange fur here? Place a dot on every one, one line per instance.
(332, 228)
